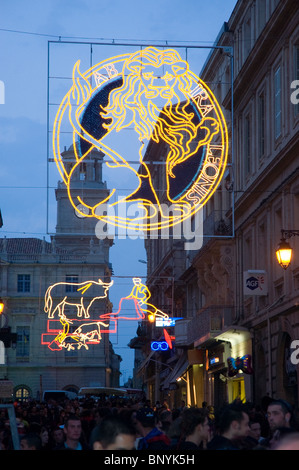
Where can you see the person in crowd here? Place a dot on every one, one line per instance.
(289, 442)
(252, 440)
(45, 438)
(57, 438)
(31, 441)
(233, 426)
(174, 432)
(278, 435)
(279, 414)
(73, 434)
(164, 420)
(113, 433)
(195, 429)
(280, 419)
(151, 437)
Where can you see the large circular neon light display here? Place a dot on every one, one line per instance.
(153, 92)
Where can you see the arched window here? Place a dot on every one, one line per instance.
(22, 393)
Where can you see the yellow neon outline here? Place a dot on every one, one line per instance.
(204, 186)
(80, 306)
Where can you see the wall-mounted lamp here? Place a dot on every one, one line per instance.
(181, 378)
(1, 305)
(284, 250)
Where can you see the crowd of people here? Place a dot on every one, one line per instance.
(101, 424)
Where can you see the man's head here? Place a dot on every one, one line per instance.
(234, 422)
(195, 423)
(164, 420)
(254, 429)
(58, 435)
(145, 420)
(279, 414)
(113, 433)
(31, 441)
(73, 428)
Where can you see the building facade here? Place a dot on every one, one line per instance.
(239, 307)
(43, 354)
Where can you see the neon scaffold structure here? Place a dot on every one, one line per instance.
(154, 92)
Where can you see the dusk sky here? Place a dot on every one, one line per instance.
(25, 31)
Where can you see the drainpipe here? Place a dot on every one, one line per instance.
(278, 301)
(269, 359)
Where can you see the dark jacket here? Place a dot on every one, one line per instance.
(154, 440)
(221, 443)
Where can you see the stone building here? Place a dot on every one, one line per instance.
(38, 361)
(236, 301)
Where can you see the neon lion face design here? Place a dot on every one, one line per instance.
(154, 92)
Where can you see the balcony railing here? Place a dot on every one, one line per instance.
(207, 324)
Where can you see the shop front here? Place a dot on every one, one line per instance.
(238, 363)
(228, 367)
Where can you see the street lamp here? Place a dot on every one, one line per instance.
(284, 250)
(1, 305)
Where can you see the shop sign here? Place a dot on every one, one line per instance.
(237, 364)
(214, 360)
(6, 388)
(162, 322)
(255, 282)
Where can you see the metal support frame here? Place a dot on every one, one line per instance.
(13, 425)
(227, 49)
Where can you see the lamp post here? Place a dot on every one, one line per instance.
(284, 250)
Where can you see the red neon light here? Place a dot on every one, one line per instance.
(168, 338)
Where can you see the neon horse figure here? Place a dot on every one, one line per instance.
(140, 295)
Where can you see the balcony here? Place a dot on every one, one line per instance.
(206, 325)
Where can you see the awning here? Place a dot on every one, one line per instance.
(234, 335)
(180, 367)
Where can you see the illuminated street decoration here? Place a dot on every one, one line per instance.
(82, 304)
(78, 297)
(163, 345)
(159, 346)
(67, 313)
(154, 92)
(240, 363)
(140, 295)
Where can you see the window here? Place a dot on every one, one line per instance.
(82, 171)
(23, 341)
(70, 278)
(261, 14)
(277, 103)
(23, 282)
(247, 144)
(296, 77)
(261, 125)
(22, 394)
(247, 34)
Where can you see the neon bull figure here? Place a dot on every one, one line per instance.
(55, 301)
